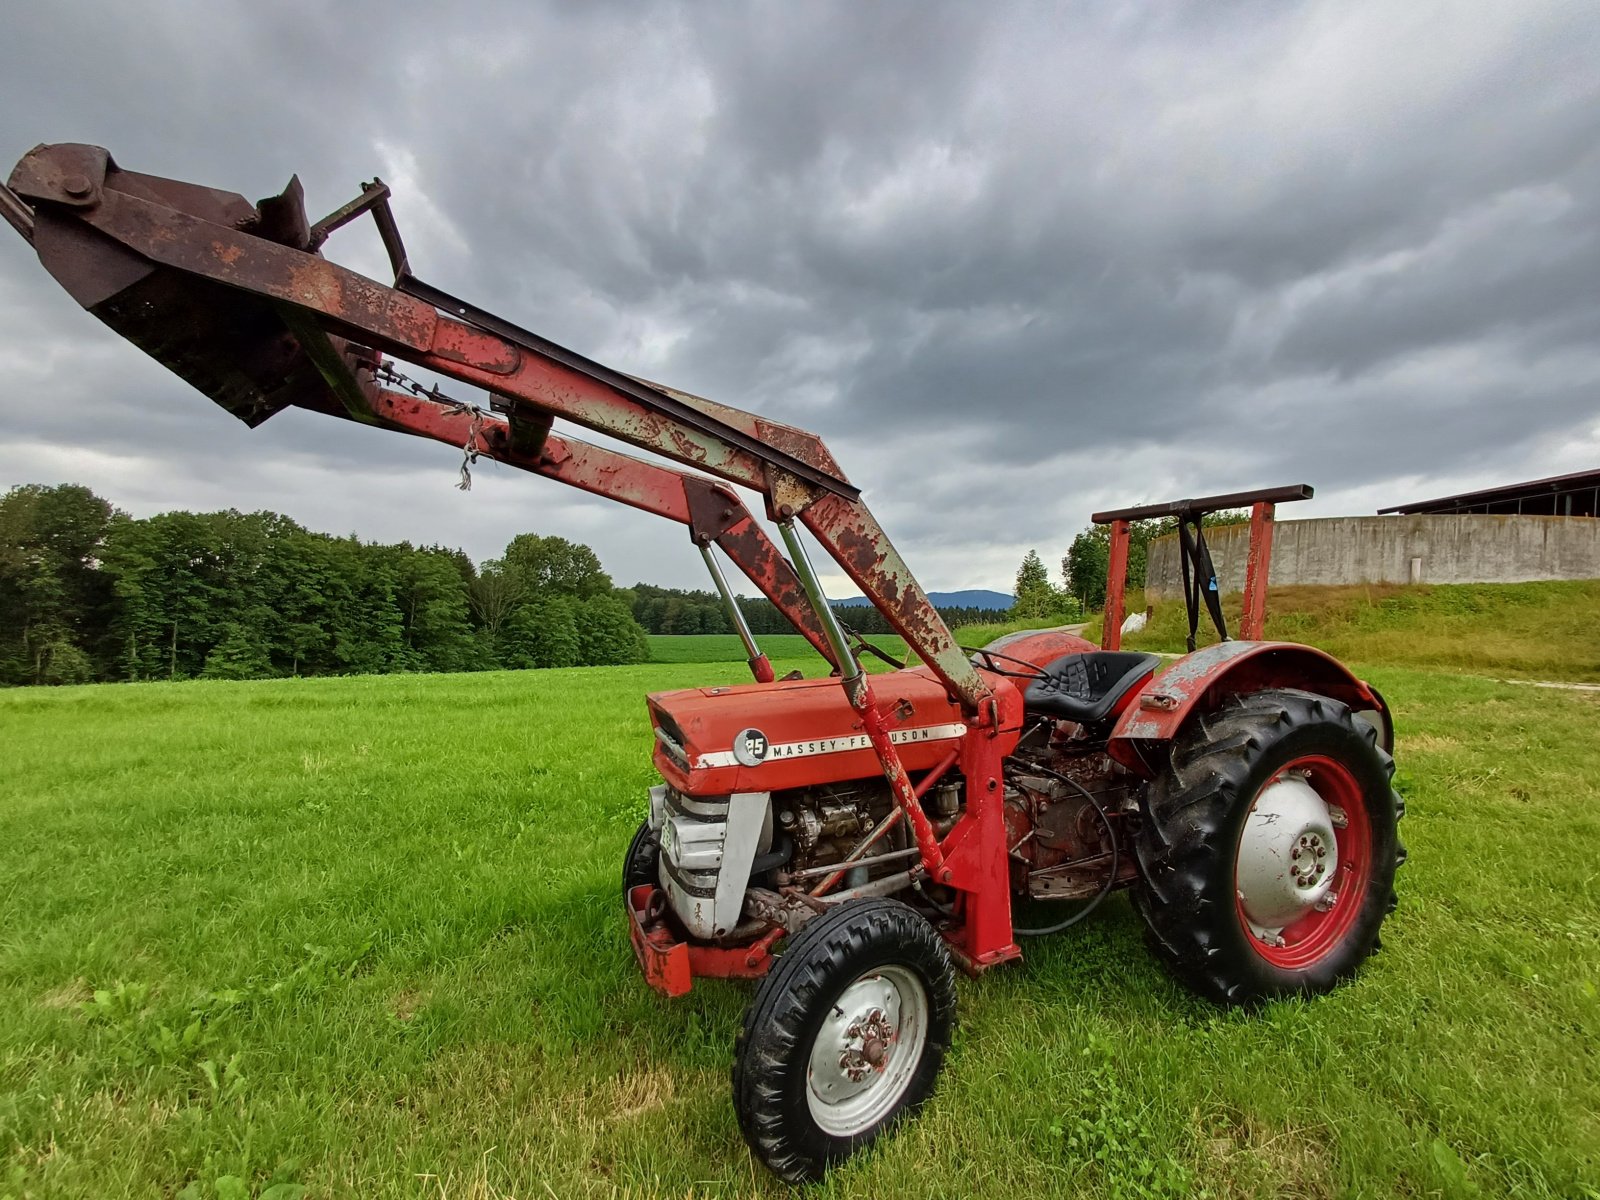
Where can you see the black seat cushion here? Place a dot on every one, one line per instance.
(1086, 687)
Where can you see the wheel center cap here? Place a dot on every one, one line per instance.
(1287, 854)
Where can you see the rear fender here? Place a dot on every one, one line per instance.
(1201, 681)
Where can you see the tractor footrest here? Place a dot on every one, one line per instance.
(671, 964)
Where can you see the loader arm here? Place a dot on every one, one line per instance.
(236, 299)
(712, 512)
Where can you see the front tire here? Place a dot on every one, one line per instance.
(845, 1036)
(641, 864)
(1268, 848)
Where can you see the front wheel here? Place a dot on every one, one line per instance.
(1269, 847)
(844, 1038)
(641, 863)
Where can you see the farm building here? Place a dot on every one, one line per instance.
(1542, 529)
(1575, 495)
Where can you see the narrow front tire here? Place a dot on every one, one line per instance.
(845, 1036)
(641, 863)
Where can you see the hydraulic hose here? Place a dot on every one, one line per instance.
(1111, 836)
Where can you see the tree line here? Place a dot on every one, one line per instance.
(1088, 558)
(88, 593)
(680, 610)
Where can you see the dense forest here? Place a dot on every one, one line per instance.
(89, 593)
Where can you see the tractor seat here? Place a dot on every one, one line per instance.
(1087, 687)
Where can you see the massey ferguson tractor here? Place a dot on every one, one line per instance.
(847, 841)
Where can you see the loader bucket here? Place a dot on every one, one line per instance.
(234, 346)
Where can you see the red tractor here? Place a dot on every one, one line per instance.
(851, 840)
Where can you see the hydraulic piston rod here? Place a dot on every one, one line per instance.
(760, 665)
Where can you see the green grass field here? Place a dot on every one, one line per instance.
(1518, 630)
(727, 648)
(363, 937)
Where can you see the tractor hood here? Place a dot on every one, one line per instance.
(767, 737)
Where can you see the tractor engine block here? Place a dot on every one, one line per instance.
(825, 823)
(1060, 845)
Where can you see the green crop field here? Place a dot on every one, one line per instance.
(727, 648)
(363, 937)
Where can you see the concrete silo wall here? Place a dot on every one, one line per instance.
(1415, 549)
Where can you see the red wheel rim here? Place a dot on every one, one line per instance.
(1314, 935)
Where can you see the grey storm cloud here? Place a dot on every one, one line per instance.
(1013, 262)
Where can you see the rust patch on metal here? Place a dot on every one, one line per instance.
(713, 509)
(1203, 679)
(67, 173)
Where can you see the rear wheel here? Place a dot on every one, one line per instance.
(1269, 848)
(845, 1036)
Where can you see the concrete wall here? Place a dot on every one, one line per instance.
(1411, 549)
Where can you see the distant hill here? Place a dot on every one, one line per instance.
(970, 598)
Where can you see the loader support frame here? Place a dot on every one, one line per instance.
(1200, 585)
(202, 240)
(238, 299)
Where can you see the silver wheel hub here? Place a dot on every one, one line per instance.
(1288, 856)
(867, 1051)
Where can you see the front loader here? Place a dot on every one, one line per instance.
(848, 841)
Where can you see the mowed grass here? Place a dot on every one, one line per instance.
(364, 936)
(1523, 630)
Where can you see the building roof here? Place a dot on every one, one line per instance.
(1577, 494)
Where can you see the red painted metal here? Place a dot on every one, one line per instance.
(670, 965)
(237, 300)
(1200, 681)
(663, 957)
(1116, 588)
(1315, 934)
(852, 535)
(814, 734)
(1258, 563)
(1032, 648)
(976, 848)
(894, 771)
(649, 487)
(211, 248)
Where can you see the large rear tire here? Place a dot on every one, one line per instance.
(1268, 848)
(845, 1036)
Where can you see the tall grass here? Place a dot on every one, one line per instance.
(1524, 630)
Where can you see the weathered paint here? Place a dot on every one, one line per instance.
(649, 487)
(1116, 587)
(858, 543)
(1258, 564)
(670, 965)
(1200, 681)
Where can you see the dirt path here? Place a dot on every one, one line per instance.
(1550, 683)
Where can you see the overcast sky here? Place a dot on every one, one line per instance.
(1012, 262)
